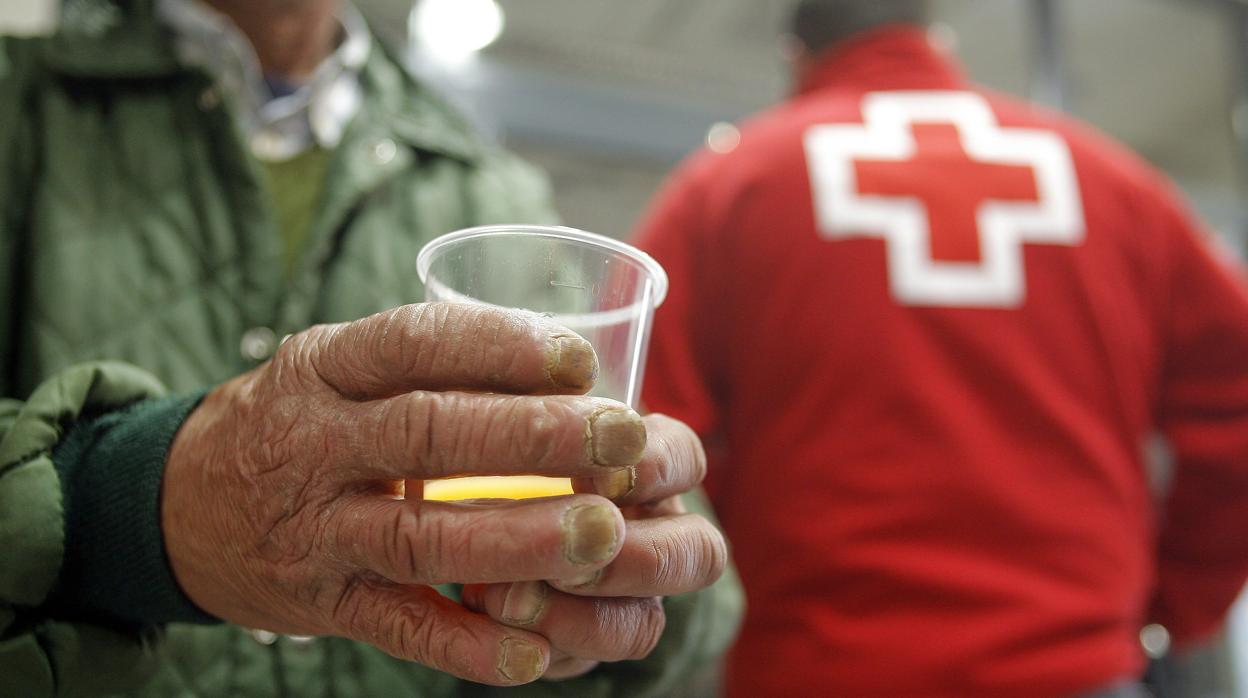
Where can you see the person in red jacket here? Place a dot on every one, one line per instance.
(930, 332)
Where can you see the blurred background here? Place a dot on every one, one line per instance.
(608, 95)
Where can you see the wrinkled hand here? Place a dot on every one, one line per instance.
(282, 499)
(614, 612)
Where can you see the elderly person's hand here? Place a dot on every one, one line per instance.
(665, 551)
(282, 503)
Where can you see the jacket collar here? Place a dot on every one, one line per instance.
(111, 40)
(413, 114)
(279, 126)
(897, 57)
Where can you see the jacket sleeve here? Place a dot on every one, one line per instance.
(40, 656)
(1203, 412)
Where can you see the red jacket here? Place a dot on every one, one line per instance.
(929, 334)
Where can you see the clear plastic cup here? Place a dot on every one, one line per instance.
(603, 289)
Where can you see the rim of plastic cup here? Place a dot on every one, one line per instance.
(424, 260)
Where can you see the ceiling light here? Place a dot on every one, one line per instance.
(455, 29)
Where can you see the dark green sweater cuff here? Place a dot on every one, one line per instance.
(115, 568)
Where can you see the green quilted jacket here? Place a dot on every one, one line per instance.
(139, 255)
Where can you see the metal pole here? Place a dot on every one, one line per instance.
(1048, 76)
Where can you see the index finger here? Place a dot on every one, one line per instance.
(448, 346)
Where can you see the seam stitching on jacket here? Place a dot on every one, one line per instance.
(59, 426)
(151, 313)
(24, 460)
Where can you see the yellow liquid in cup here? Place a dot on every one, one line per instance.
(497, 487)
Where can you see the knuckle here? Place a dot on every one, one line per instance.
(443, 545)
(406, 626)
(421, 635)
(496, 336)
(692, 558)
(446, 434)
(411, 632)
(406, 334)
(502, 360)
(650, 623)
(350, 611)
(683, 455)
(418, 548)
(314, 340)
(663, 569)
(714, 554)
(306, 355)
(698, 456)
(398, 540)
(407, 433)
(478, 334)
(364, 353)
(539, 426)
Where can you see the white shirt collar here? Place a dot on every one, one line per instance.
(278, 128)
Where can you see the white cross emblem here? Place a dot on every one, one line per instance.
(915, 278)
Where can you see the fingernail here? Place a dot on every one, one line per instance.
(571, 363)
(617, 436)
(616, 484)
(524, 602)
(589, 534)
(521, 660)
